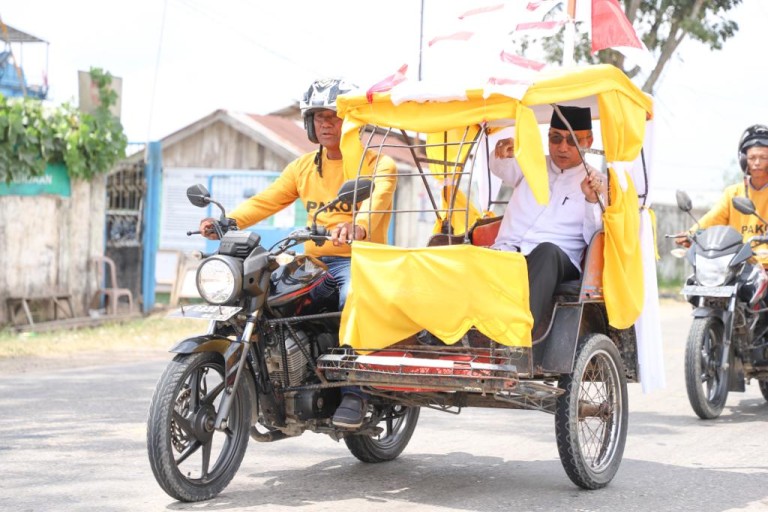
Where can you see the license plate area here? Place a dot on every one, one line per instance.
(205, 312)
(708, 291)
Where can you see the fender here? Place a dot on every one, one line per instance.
(706, 311)
(570, 323)
(230, 350)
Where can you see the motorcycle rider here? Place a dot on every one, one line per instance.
(753, 159)
(315, 178)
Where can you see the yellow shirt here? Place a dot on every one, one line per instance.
(300, 180)
(724, 214)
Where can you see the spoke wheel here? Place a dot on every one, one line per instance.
(190, 459)
(705, 381)
(398, 423)
(592, 415)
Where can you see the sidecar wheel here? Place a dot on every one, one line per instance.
(764, 388)
(398, 422)
(705, 382)
(591, 418)
(190, 460)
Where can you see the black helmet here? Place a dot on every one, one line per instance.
(321, 95)
(755, 135)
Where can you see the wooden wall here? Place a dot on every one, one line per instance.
(46, 243)
(218, 146)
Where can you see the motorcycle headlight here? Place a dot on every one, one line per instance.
(712, 271)
(220, 279)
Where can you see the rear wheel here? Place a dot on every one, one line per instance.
(398, 423)
(705, 380)
(764, 388)
(592, 415)
(190, 459)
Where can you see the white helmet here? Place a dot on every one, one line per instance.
(321, 95)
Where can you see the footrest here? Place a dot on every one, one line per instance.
(418, 369)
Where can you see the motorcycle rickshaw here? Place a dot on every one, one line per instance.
(278, 368)
(473, 298)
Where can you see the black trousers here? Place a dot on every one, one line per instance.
(548, 266)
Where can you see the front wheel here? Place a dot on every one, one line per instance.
(592, 415)
(705, 380)
(190, 459)
(398, 424)
(764, 388)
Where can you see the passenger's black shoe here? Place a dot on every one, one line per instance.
(351, 412)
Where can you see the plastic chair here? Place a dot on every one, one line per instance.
(106, 279)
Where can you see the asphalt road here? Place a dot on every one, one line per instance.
(74, 440)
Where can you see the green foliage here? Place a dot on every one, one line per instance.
(33, 135)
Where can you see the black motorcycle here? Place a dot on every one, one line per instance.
(253, 373)
(727, 344)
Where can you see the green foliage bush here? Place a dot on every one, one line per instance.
(32, 135)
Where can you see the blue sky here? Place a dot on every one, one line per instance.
(182, 59)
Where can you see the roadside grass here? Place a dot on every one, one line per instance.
(155, 332)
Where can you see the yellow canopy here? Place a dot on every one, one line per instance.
(622, 109)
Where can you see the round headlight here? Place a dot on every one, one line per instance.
(220, 279)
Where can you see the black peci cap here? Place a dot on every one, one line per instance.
(579, 118)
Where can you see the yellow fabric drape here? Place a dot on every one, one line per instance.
(395, 293)
(529, 153)
(623, 268)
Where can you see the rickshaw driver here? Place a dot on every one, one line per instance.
(552, 237)
(315, 178)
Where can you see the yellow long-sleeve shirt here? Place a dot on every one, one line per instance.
(300, 180)
(724, 214)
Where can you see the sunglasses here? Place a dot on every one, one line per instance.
(556, 139)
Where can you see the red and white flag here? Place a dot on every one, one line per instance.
(611, 28)
(388, 83)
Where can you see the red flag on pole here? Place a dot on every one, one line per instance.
(610, 27)
(388, 83)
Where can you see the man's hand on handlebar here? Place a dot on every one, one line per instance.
(683, 240)
(346, 232)
(207, 229)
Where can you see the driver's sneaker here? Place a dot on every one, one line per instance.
(351, 412)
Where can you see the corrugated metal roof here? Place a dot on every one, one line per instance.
(13, 35)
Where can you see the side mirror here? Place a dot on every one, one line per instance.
(683, 201)
(199, 196)
(359, 189)
(744, 205)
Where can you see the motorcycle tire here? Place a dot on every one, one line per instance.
(190, 460)
(705, 382)
(764, 388)
(399, 423)
(591, 418)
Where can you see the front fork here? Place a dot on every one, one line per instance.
(230, 382)
(726, 316)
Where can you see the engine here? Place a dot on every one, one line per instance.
(290, 367)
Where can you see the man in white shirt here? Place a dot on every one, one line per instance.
(552, 237)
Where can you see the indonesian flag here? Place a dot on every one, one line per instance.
(388, 83)
(610, 27)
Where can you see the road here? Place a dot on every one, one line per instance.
(74, 440)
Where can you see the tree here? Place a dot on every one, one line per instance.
(33, 135)
(662, 25)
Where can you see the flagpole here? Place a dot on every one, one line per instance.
(421, 38)
(569, 36)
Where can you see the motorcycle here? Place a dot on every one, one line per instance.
(254, 372)
(727, 345)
